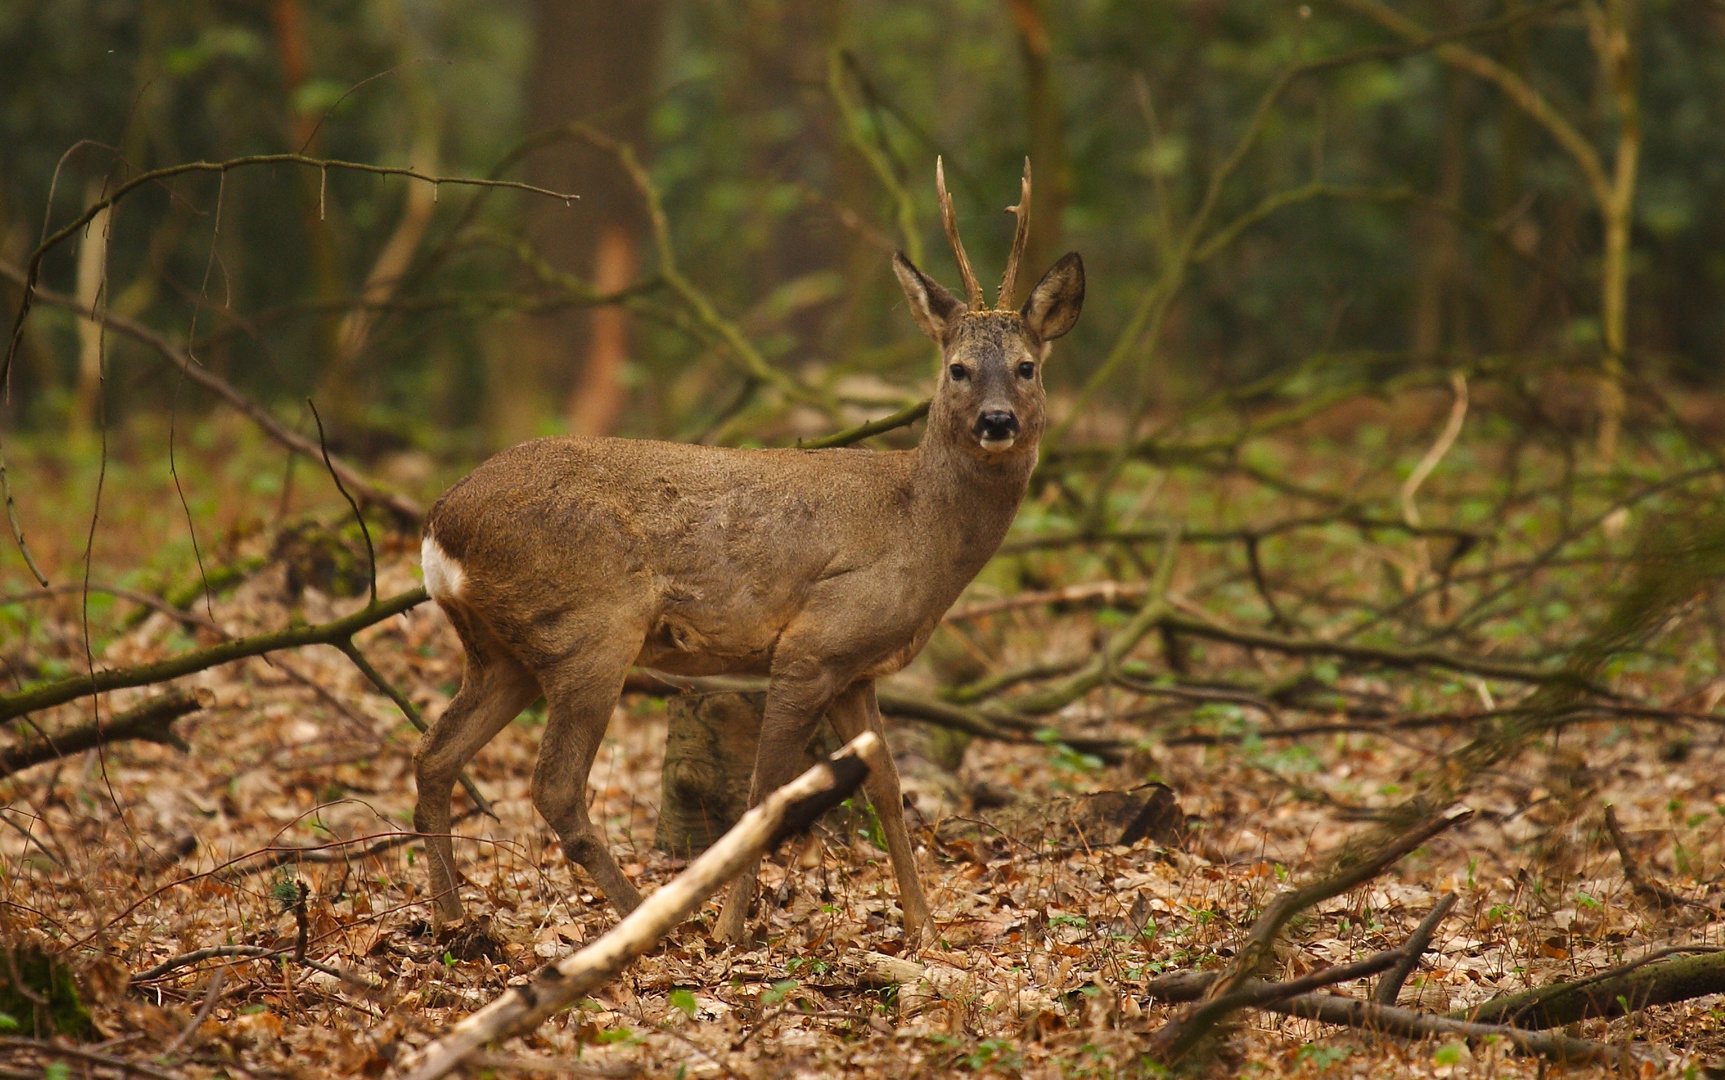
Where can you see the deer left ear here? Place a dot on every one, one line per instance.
(1054, 304)
(931, 306)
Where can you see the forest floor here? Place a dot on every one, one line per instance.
(124, 857)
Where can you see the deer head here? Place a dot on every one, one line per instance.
(990, 400)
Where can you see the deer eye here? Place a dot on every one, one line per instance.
(1027, 370)
(958, 372)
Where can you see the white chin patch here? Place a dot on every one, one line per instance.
(997, 446)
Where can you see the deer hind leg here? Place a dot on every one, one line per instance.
(795, 701)
(581, 696)
(494, 690)
(854, 712)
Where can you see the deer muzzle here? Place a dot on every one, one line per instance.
(997, 429)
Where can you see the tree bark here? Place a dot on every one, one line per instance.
(1046, 131)
(710, 746)
(593, 62)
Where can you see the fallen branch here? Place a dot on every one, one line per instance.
(1384, 655)
(151, 722)
(46, 695)
(1406, 1023)
(1179, 1035)
(781, 814)
(23, 1044)
(1098, 593)
(1627, 988)
(1101, 668)
(1364, 523)
(1410, 1024)
(1001, 724)
(292, 953)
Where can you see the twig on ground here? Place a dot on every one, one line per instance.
(1645, 887)
(1179, 1035)
(253, 952)
(217, 981)
(1390, 986)
(333, 852)
(1410, 1024)
(784, 812)
(198, 956)
(1406, 1023)
(563, 1066)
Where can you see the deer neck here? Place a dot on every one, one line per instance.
(967, 503)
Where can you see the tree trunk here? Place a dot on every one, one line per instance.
(709, 758)
(1507, 301)
(328, 282)
(593, 62)
(1435, 313)
(1046, 128)
(1612, 30)
(92, 282)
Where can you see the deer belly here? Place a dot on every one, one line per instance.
(896, 660)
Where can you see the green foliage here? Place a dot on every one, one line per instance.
(789, 143)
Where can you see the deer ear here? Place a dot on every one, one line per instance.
(932, 306)
(1054, 304)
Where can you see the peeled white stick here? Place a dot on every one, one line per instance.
(786, 811)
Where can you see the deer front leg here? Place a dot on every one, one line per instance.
(854, 712)
(795, 701)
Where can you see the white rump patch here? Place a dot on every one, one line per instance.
(443, 575)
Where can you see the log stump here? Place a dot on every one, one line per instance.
(710, 749)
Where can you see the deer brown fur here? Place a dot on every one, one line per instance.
(562, 562)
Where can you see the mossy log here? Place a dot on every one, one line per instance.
(1661, 983)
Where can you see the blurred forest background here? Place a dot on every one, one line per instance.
(1385, 472)
(1392, 199)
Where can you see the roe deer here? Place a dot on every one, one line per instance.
(564, 561)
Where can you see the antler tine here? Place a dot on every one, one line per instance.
(972, 289)
(1020, 234)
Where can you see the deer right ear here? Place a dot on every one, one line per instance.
(932, 306)
(1057, 299)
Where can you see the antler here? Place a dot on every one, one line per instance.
(972, 290)
(1020, 234)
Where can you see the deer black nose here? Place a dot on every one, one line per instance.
(996, 424)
